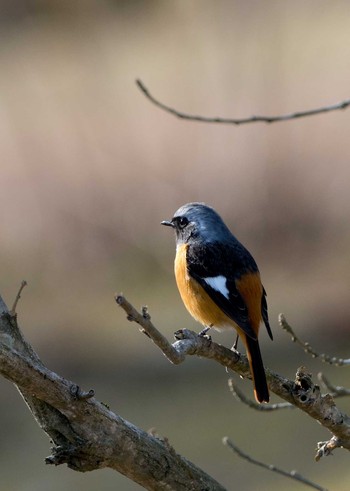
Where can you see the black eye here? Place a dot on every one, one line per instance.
(182, 222)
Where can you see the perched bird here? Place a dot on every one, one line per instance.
(219, 282)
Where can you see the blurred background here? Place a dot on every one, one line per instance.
(89, 168)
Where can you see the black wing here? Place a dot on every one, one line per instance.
(264, 313)
(231, 261)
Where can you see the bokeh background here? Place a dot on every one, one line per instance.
(89, 168)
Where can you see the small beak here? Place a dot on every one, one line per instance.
(167, 223)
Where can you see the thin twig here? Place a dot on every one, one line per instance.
(331, 360)
(237, 121)
(270, 467)
(144, 320)
(18, 296)
(236, 392)
(335, 390)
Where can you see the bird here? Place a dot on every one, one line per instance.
(219, 282)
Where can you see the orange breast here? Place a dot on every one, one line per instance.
(196, 300)
(204, 309)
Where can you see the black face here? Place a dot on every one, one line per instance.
(180, 222)
(183, 227)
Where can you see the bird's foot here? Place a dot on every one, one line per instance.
(203, 333)
(235, 344)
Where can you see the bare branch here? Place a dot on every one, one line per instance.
(85, 433)
(236, 392)
(301, 392)
(270, 467)
(331, 360)
(239, 121)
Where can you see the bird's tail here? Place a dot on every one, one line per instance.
(261, 390)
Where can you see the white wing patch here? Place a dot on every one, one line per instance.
(218, 283)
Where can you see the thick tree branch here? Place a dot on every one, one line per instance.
(86, 435)
(301, 392)
(239, 121)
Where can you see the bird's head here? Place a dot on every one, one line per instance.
(197, 222)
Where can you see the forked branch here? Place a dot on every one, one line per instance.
(88, 436)
(301, 393)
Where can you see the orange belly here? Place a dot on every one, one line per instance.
(196, 300)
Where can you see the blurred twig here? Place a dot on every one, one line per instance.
(335, 390)
(253, 404)
(237, 121)
(331, 360)
(270, 467)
